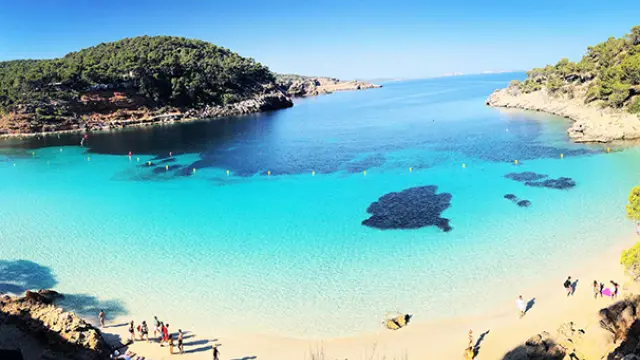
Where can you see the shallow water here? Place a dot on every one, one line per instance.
(287, 252)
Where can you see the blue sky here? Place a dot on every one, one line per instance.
(347, 39)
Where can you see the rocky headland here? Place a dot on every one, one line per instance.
(600, 93)
(591, 122)
(37, 328)
(133, 81)
(303, 86)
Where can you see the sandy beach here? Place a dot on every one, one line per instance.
(422, 339)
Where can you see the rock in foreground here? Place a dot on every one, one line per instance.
(63, 334)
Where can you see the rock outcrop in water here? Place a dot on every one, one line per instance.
(514, 199)
(536, 180)
(412, 208)
(303, 86)
(62, 334)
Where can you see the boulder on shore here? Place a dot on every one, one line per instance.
(63, 333)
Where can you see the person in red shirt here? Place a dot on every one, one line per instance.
(165, 333)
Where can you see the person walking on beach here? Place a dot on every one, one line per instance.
(156, 326)
(568, 286)
(469, 354)
(165, 334)
(216, 353)
(171, 344)
(616, 288)
(522, 305)
(180, 345)
(131, 332)
(597, 290)
(101, 318)
(144, 331)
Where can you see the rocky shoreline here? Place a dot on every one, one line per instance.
(592, 122)
(305, 86)
(40, 330)
(28, 125)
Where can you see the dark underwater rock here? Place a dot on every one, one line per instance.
(511, 197)
(525, 176)
(514, 199)
(524, 203)
(561, 183)
(535, 180)
(412, 208)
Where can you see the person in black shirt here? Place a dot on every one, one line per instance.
(216, 353)
(568, 286)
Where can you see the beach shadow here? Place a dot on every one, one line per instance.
(574, 286)
(246, 358)
(476, 347)
(200, 349)
(199, 342)
(18, 276)
(115, 325)
(89, 305)
(530, 304)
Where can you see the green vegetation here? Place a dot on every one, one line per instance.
(163, 70)
(630, 258)
(633, 207)
(609, 70)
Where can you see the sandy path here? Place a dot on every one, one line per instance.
(444, 339)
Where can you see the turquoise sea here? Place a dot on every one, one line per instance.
(273, 247)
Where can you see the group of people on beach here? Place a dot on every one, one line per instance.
(600, 290)
(160, 331)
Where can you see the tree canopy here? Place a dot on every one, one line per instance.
(633, 207)
(610, 69)
(165, 70)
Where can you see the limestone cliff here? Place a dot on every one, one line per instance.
(302, 86)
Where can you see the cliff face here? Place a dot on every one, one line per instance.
(592, 122)
(61, 335)
(303, 86)
(114, 110)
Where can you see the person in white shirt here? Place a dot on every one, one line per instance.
(522, 305)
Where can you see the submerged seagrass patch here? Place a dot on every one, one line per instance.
(411, 208)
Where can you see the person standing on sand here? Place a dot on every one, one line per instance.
(131, 332)
(522, 306)
(597, 290)
(144, 331)
(171, 344)
(156, 326)
(616, 288)
(568, 286)
(165, 333)
(180, 345)
(216, 353)
(101, 318)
